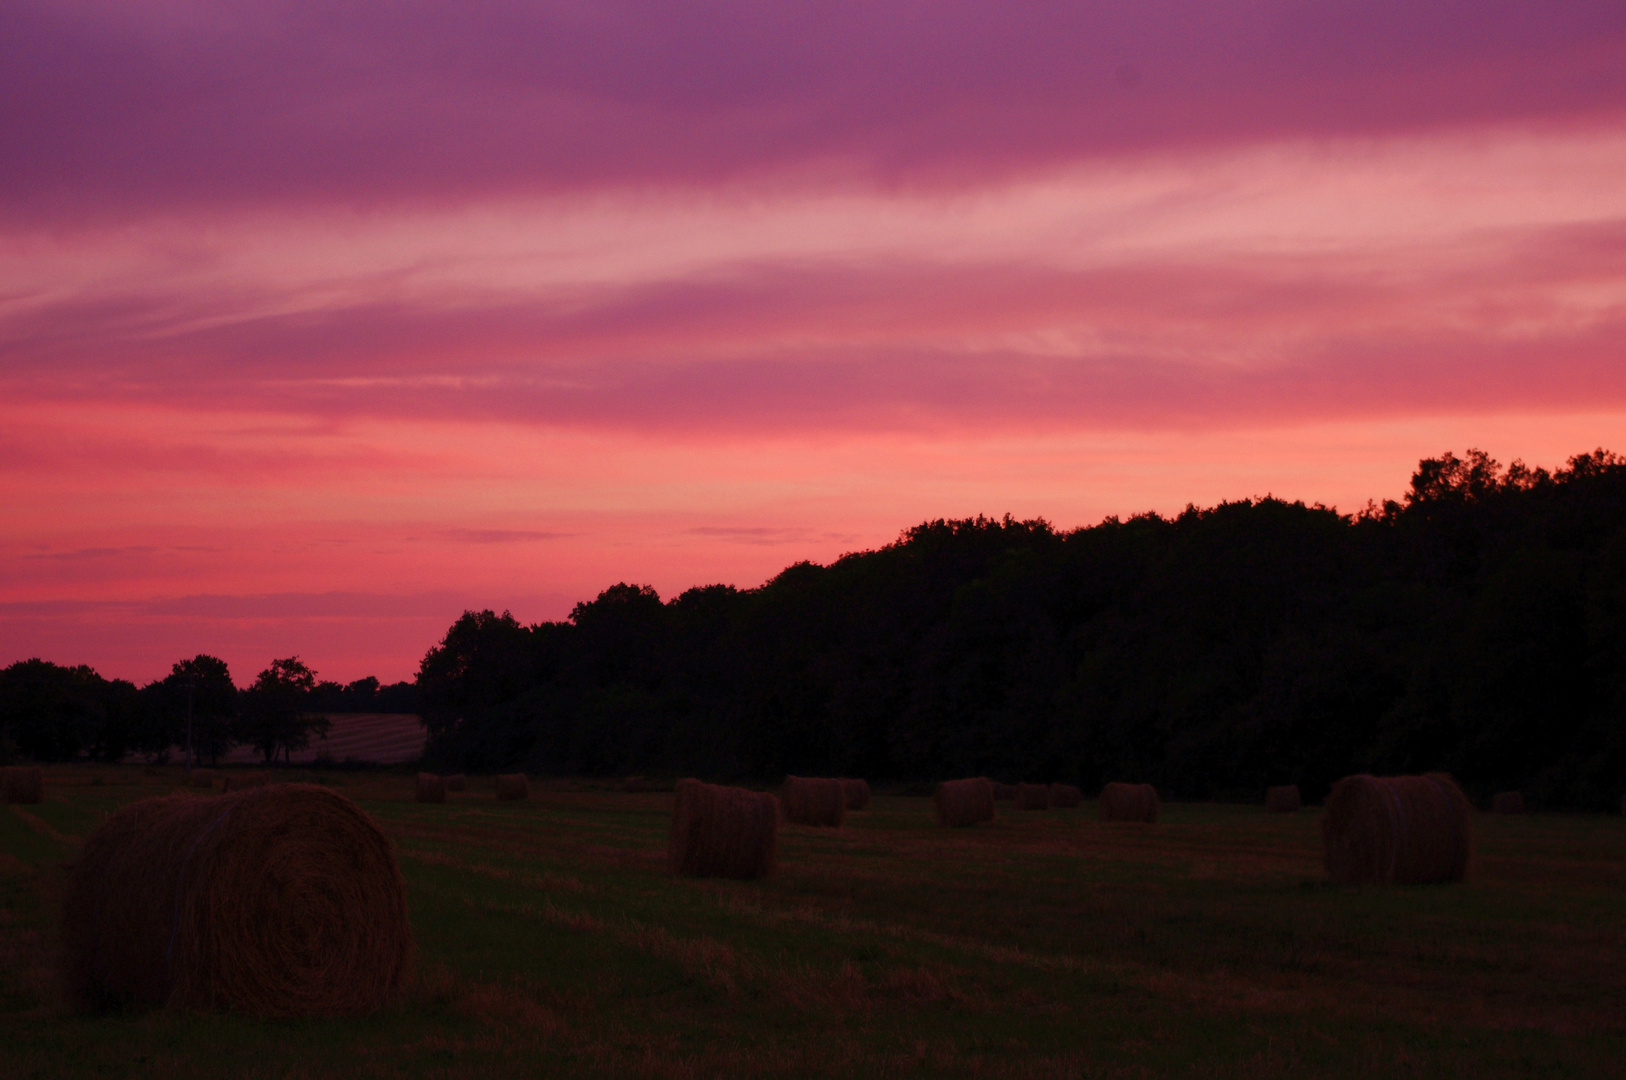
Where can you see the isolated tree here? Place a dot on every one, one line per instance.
(207, 682)
(275, 713)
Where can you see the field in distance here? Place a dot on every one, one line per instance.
(1046, 944)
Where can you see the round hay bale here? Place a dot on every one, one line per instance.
(22, 784)
(1283, 799)
(1065, 796)
(1003, 792)
(964, 802)
(456, 782)
(1397, 830)
(1129, 802)
(512, 786)
(431, 788)
(278, 901)
(857, 793)
(813, 801)
(724, 832)
(1508, 802)
(1032, 797)
(202, 778)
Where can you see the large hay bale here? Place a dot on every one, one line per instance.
(22, 784)
(1003, 792)
(810, 800)
(857, 793)
(1129, 802)
(202, 778)
(513, 786)
(1032, 797)
(1065, 796)
(1402, 830)
(456, 782)
(1283, 799)
(278, 901)
(1507, 802)
(722, 831)
(964, 802)
(431, 788)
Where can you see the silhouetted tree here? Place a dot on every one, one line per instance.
(213, 704)
(275, 714)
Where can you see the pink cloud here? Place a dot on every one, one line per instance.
(318, 326)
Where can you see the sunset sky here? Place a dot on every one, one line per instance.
(319, 325)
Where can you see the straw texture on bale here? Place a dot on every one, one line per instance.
(1032, 797)
(22, 784)
(1065, 796)
(275, 902)
(203, 778)
(726, 832)
(1283, 799)
(513, 786)
(456, 782)
(857, 792)
(1003, 792)
(431, 788)
(964, 802)
(1129, 802)
(1508, 802)
(1399, 830)
(813, 801)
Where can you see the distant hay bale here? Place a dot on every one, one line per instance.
(202, 778)
(810, 800)
(1003, 792)
(22, 784)
(726, 832)
(857, 792)
(274, 902)
(1508, 802)
(431, 788)
(1032, 797)
(513, 786)
(1129, 802)
(1399, 830)
(243, 782)
(456, 782)
(637, 785)
(964, 802)
(1283, 799)
(1065, 796)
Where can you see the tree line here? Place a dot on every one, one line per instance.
(51, 712)
(1478, 625)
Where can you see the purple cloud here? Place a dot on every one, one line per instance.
(110, 108)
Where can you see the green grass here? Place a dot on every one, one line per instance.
(1044, 945)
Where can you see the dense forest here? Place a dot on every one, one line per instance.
(1477, 626)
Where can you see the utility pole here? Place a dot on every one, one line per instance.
(190, 681)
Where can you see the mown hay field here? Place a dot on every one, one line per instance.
(552, 942)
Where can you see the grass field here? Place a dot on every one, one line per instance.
(1044, 945)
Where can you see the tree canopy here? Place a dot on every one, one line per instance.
(1477, 625)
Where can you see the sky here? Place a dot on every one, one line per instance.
(322, 323)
